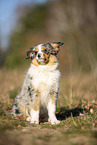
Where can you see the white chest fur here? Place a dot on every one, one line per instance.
(45, 79)
(47, 75)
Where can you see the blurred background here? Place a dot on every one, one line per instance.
(29, 22)
(26, 23)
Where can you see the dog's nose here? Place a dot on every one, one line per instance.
(39, 55)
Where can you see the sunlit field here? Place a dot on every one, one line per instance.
(75, 24)
(76, 108)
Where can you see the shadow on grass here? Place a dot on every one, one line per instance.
(65, 113)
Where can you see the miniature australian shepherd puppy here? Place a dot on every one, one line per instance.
(39, 92)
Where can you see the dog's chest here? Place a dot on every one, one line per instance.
(45, 79)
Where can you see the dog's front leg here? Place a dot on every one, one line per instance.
(52, 109)
(34, 116)
(34, 112)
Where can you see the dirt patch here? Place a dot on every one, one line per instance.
(44, 136)
(35, 135)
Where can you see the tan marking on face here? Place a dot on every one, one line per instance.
(36, 50)
(46, 58)
(54, 45)
(52, 60)
(30, 54)
(35, 62)
(43, 47)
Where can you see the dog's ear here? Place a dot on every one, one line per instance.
(30, 54)
(56, 47)
(56, 44)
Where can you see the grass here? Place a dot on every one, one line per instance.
(76, 118)
(76, 108)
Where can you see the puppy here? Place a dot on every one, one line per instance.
(41, 85)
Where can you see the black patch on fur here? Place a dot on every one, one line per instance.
(32, 55)
(28, 54)
(16, 108)
(31, 91)
(50, 49)
(54, 52)
(17, 111)
(16, 105)
(59, 43)
(29, 88)
(46, 51)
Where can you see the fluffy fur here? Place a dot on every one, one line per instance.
(39, 92)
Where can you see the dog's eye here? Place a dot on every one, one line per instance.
(53, 52)
(33, 55)
(35, 52)
(45, 51)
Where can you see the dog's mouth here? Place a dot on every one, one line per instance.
(41, 61)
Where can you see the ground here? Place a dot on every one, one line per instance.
(76, 108)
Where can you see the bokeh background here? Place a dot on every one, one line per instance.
(25, 23)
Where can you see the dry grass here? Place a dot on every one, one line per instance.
(73, 23)
(76, 108)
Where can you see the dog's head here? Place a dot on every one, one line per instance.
(44, 53)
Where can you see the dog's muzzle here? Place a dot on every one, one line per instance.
(39, 57)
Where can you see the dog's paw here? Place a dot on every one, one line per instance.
(53, 121)
(35, 121)
(28, 118)
(34, 116)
